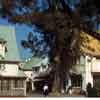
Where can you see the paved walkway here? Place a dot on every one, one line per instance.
(51, 95)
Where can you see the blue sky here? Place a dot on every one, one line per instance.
(22, 30)
(21, 33)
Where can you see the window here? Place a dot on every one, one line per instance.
(76, 80)
(5, 84)
(44, 66)
(96, 81)
(36, 69)
(18, 84)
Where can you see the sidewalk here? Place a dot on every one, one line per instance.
(35, 94)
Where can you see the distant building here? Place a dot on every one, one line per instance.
(12, 80)
(87, 68)
(32, 67)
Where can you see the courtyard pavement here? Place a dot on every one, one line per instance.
(37, 94)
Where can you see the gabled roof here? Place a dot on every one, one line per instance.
(7, 33)
(34, 62)
(89, 44)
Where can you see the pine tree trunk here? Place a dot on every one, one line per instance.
(59, 79)
(56, 84)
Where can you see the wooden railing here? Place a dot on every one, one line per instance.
(12, 92)
(5, 92)
(18, 92)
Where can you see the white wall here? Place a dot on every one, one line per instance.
(10, 69)
(79, 68)
(28, 73)
(85, 66)
(87, 75)
(96, 65)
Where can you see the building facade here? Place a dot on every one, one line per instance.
(87, 70)
(12, 79)
(32, 67)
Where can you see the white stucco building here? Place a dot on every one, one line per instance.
(87, 70)
(12, 80)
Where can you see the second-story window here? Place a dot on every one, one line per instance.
(36, 69)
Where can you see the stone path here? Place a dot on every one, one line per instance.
(51, 95)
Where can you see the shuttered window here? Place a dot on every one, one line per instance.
(18, 84)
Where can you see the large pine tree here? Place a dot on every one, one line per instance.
(60, 26)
